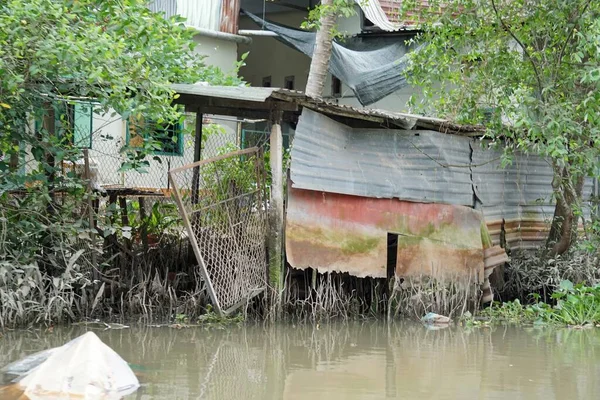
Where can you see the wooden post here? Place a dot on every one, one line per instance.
(144, 226)
(86, 160)
(276, 205)
(196, 180)
(197, 156)
(49, 125)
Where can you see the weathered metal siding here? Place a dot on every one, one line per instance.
(423, 166)
(518, 196)
(230, 13)
(359, 172)
(169, 7)
(335, 232)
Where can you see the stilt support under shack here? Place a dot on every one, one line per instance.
(276, 206)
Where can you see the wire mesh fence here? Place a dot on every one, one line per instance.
(222, 203)
(131, 234)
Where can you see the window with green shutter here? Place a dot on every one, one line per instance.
(83, 122)
(169, 136)
(74, 122)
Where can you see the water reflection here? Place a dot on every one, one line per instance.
(369, 360)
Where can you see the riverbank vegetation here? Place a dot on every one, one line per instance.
(59, 261)
(569, 305)
(58, 265)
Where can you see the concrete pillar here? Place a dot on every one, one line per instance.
(276, 207)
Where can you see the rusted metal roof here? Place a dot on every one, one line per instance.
(392, 9)
(255, 95)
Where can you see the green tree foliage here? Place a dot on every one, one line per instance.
(337, 8)
(116, 53)
(529, 71)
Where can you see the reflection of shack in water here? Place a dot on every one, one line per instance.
(368, 360)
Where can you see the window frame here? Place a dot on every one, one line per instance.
(180, 150)
(287, 80)
(59, 130)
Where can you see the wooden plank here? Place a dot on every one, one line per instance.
(197, 156)
(242, 113)
(276, 258)
(86, 160)
(342, 113)
(209, 160)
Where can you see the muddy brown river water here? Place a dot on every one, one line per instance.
(368, 360)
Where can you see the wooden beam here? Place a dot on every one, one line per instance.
(342, 113)
(196, 178)
(242, 113)
(235, 104)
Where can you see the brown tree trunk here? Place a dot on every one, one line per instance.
(563, 231)
(322, 52)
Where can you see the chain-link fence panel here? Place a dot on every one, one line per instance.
(222, 203)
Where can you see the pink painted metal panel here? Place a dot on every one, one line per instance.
(334, 232)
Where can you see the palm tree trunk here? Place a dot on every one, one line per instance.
(322, 52)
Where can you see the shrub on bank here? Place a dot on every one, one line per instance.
(571, 305)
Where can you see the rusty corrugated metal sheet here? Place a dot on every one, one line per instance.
(426, 166)
(230, 13)
(517, 197)
(494, 256)
(335, 232)
(386, 118)
(423, 166)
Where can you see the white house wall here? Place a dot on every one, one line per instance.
(218, 52)
(110, 132)
(110, 136)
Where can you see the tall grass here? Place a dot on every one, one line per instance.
(28, 295)
(532, 272)
(416, 296)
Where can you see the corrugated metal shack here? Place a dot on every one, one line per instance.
(359, 176)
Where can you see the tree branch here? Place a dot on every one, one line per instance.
(507, 29)
(575, 23)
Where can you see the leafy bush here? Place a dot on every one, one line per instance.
(575, 305)
(56, 52)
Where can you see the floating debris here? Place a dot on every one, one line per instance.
(437, 320)
(82, 368)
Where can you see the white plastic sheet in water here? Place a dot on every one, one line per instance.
(84, 368)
